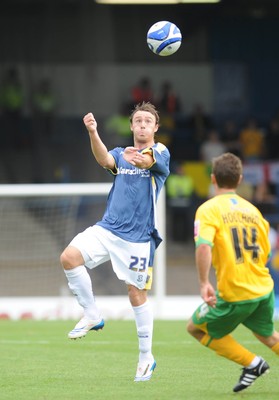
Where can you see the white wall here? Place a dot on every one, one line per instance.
(113, 307)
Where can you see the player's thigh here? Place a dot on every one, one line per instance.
(92, 244)
(71, 257)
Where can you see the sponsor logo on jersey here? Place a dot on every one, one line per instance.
(144, 173)
(234, 201)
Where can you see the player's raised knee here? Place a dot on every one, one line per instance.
(71, 257)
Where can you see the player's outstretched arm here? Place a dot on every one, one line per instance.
(99, 150)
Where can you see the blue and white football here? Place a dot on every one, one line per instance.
(164, 38)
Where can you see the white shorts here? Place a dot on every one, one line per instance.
(129, 260)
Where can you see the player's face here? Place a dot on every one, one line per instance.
(144, 126)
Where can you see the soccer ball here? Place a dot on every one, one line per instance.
(164, 38)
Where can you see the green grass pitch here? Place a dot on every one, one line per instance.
(38, 362)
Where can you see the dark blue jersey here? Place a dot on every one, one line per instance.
(131, 212)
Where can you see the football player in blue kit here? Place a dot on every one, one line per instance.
(127, 234)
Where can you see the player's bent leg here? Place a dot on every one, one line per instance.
(194, 330)
(229, 348)
(79, 282)
(71, 257)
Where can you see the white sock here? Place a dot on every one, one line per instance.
(79, 282)
(254, 363)
(144, 323)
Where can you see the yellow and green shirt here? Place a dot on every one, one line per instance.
(238, 234)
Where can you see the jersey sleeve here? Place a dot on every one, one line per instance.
(205, 225)
(161, 159)
(115, 154)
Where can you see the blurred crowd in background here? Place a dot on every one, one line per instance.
(193, 138)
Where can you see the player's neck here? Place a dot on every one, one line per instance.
(144, 145)
(224, 191)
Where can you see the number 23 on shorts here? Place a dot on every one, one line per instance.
(138, 264)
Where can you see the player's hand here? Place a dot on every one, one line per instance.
(208, 295)
(133, 156)
(90, 122)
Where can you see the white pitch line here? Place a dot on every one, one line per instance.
(105, 342)
(24, 342)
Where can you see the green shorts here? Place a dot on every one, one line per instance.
(256, 315)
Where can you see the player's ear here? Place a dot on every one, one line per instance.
(213, 179)
(240, 179)
(156, 128)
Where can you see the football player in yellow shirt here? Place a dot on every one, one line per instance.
(232, 236)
